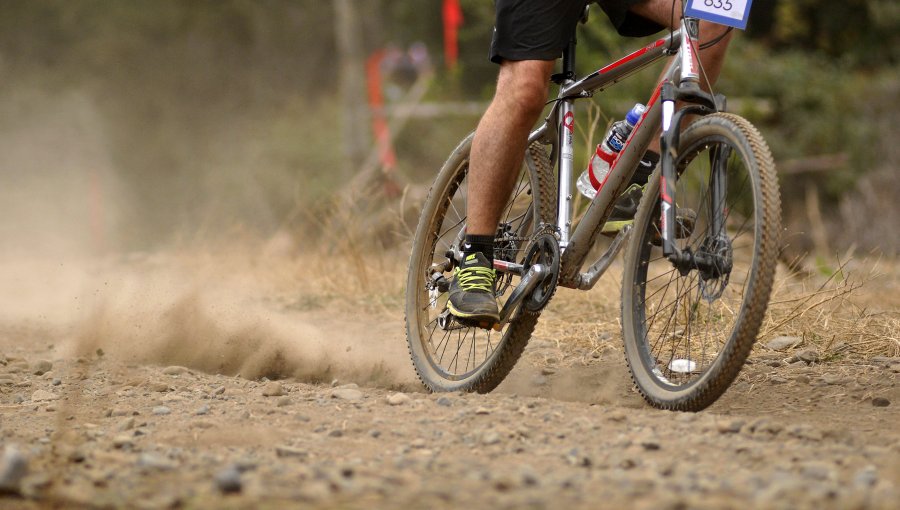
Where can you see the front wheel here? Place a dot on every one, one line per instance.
(450, 355)
(688, 330)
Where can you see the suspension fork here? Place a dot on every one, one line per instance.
(718, 189)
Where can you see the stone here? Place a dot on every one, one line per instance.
(126, 424)
(398, 399)
(866, 477)
(41, 367)
(782, 343)
(273, 389)
(155, 462)
(204, 410)
(288, 451)
(43, 396)
(158, 387)
(490, 437)
(730, 426)
(444, 402)
(808, 355)
(229, 481)
(175, 370)
(880, 402)
(13, 468)
(346, 394)
(283, 401)
(161, 410)
(123, 441)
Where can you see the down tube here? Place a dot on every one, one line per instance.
(586, 233)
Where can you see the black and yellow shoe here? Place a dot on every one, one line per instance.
(472, 292)
(624, 210)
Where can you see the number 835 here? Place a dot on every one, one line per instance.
(718, 4)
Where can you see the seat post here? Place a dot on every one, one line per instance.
(568, 63)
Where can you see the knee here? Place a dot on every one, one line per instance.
(526, 84)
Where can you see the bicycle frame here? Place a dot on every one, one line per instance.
(558, 132)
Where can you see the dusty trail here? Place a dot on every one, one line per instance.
(178, 410)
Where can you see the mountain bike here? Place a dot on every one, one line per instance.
(699, 259)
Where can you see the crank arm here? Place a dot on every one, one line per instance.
(534, 277)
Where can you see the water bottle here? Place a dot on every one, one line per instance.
(591, 179)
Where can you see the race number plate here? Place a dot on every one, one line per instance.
(733, 13)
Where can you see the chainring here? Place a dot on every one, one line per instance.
(544, 250)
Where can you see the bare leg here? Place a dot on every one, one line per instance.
(711, 58)
(500, 139)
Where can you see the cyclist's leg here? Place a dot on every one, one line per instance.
(500, 140)
(712, 58)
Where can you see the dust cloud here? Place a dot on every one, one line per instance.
(83, 264)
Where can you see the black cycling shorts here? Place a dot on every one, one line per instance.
(540, 29)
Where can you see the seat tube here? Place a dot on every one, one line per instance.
(566, 119)
(566, 129)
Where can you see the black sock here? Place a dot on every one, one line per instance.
(645, 168)
(479, 244)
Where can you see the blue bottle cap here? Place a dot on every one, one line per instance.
(635, 114)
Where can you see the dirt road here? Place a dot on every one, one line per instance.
(156, 395)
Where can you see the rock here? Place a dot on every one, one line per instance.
(41, 367)
(57, 382)
(175, 370)
(482, 411)
(802, 379)
(833, 379)
(218, 391)
(283, 401)
(204, 410)
(880, 402)
(866, 477)
(126, 424)
(346, 394)
(418, 443)
(807, 355)
(288, 451)
(155, 462)
(730, 426)
(13, 468)
(228, 480)
(576, 458)
(490, 437)
(158, 387)
(617, 416)
(775, 379)
(444, 402)
(548, 371)
(42, 396)
(336, 433)
(161, 410)
(123, 441)
(817, 471)
(398, 399)
(895, 368)
(782, 343)
(273, 389)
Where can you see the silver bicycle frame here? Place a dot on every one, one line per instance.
(558, 132)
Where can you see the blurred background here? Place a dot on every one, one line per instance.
(135, 125)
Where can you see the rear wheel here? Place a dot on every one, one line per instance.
(449, 355)
(688, 330)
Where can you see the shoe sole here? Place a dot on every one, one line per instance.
(474, 317)
(613, 227)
